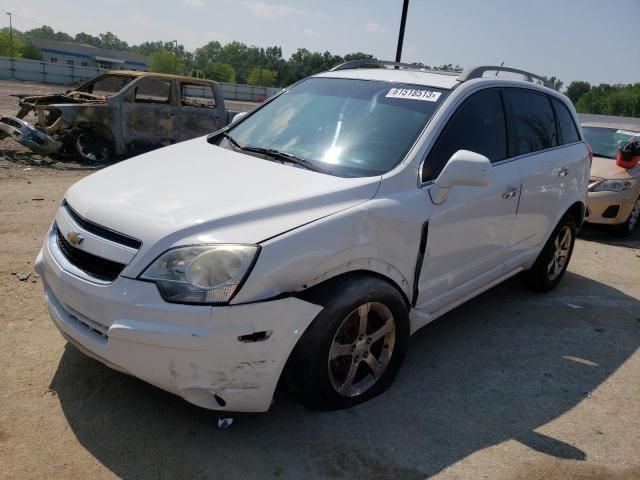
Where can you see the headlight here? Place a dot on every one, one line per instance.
(613, 186)
(207, 274)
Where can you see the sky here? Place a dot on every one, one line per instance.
(593, 40)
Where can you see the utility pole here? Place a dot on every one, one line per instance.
(10, 34)
(403, 21)
(175, 60)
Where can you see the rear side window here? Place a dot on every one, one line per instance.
(566, 126)
(532, 122)
(194, 95)
(478, 125)
(152, 90)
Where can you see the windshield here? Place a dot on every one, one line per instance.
(344, 127)
(605, 142)
(106, 85)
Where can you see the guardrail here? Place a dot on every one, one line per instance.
(63, 74)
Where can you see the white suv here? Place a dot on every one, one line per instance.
(310, 238)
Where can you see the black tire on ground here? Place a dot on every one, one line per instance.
(629, 226)
(542, 277)
(313, 378)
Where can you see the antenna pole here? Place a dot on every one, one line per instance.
(403, 21)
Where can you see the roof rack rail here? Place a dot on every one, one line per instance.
(478, 72)
(352, 64)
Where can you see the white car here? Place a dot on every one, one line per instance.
(310, 238)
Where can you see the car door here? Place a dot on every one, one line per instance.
(468, 238)
(149, 113)
(199, 110)
(545, 164)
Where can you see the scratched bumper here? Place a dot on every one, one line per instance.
(28, 135)
(191, 351)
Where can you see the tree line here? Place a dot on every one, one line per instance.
(236, 62)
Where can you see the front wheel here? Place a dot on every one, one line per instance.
(553, 260)
(354, 348)
(627, 227)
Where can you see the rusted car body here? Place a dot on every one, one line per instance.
(118, 113)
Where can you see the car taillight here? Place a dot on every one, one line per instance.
(590, 151)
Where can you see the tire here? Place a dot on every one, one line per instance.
(93, 148)
(542, 276)
(321, 382)
(627, 227)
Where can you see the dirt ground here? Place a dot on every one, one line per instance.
(510, 385)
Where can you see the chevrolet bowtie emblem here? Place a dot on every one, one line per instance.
(74, 238)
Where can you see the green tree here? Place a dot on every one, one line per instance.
(112, 42)
(87, 39)
(577, 89)
(262, 77)
(31, 51)
(207, 54)
(220, 72)
(5, 44)
(165, 62)
(554, 82)
(49, 33)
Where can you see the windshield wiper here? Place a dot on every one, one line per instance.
(285, 157)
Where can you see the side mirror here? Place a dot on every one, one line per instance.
(238, 116)
(463, 168)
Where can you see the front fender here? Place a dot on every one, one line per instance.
(363, 238)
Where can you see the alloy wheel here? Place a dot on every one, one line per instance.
(361, 349)
(634, 216)
(561, 247)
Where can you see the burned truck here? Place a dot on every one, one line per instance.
(117, 113)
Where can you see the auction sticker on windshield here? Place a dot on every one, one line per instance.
(411, 94)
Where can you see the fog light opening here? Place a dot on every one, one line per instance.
(220, 400)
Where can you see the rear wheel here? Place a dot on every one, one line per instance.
(354, 348)
(553, 260)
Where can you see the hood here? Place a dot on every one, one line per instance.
(606, 168)
(197, 192)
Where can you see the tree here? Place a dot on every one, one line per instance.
(31, 51)
(207, 54)
(220, 72)
(87, 39)
(164, 62)
(112, 42)
(577, 89)
(5, 44)
(262, 77)
(49, 33)
(554, 82)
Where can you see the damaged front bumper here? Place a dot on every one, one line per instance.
(28, 135)
(222, 358)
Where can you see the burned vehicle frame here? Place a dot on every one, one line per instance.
(117, 113)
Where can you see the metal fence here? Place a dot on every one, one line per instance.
(63, 74)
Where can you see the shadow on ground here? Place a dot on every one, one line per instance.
(605, 234)
(494, 369)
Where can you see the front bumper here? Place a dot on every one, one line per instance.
(28, 135)
(610, 208)
(191, 351)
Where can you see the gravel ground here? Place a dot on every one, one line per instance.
(510, 385)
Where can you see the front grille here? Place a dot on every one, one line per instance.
(101, 231)
(98, 267)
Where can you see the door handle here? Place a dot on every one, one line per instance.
(564, 171)
(511, 192)
(167, 114)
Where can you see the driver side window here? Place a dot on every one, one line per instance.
(478, 125)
